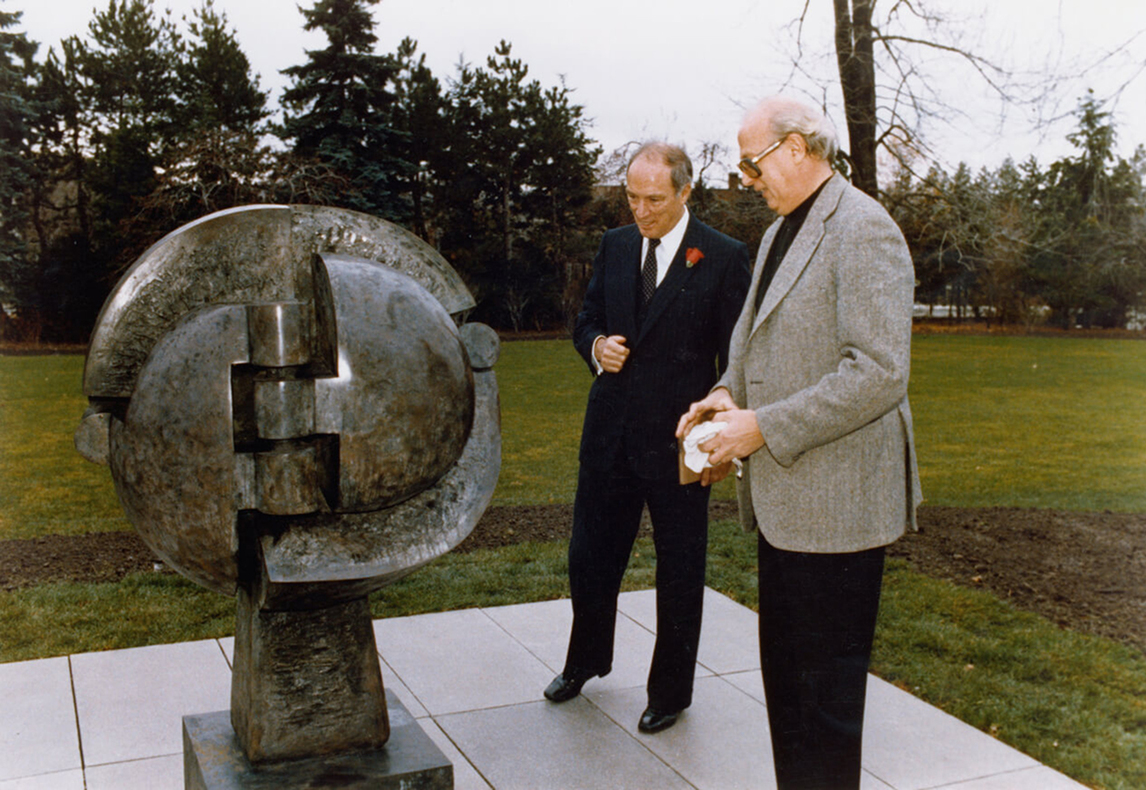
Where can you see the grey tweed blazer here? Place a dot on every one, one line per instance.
(824, 364)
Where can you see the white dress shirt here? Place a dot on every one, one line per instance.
(665, 252)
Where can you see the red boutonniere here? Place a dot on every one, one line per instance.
(692, 256)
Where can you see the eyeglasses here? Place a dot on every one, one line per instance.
(750, 167)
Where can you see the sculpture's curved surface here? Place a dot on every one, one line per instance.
(245, 255)
(294, 411)
(265, 393)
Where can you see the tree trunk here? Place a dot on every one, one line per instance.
(857, 79)
(419, 216)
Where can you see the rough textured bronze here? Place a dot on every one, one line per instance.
(172, 455)
(293, 476)
(245, 255)
(283, 708)
(482, 345)
(371, 401)
(291, 412)
(329, 557)
(91, 437)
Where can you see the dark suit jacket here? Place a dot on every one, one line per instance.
(676, 354)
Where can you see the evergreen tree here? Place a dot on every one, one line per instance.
(338, 107)
(215, 161)
(17, 174)
(129, 69)
(70, 283)
(215, 88)
(1065, 244)
(129, 62)
(1092, 270)
(419, 117)
(519, 166)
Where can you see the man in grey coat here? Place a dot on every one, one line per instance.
(814, 400)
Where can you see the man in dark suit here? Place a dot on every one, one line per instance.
(654, 329)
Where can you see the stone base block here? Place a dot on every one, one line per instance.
(213, 760)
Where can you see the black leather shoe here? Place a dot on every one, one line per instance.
(563, 689)
(653, 720)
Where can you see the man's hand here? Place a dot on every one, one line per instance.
(713, 475)
(719, 400)
(611, 352)
(739, 439)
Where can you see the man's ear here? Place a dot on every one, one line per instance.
(799, 147)
(685, 191)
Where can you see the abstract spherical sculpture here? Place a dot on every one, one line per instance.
(294, 410)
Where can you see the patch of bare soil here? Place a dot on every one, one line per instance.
(1083, 571)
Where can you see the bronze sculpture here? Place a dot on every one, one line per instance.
(296, 413)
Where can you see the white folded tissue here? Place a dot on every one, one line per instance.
(695, 458)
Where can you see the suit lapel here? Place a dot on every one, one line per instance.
(623, 286)
(800, 253)
(758, 268)
(677, 275)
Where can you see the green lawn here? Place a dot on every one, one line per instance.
(45, 486)
(1032, 422)
(1074, 702)
(1029, 422)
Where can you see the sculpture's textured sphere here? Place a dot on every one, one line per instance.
(322, 409)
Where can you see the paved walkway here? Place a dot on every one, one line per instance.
(473, 678)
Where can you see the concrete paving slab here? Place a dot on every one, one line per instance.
(480, 673)
(1039, 778)
(156, 773)
(466, 776)
(391, 682)
(542, 746)
(461, 660)
(869, 782)
(895, 752)
(131, 703)
(729, 640)
(938, 758)
(719, 743)
(62, 780)
(543, 629)
(641, 606)
(38, 732)
(751, 683)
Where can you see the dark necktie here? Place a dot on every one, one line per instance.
(649, 273)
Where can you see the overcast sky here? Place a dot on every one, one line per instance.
(684, 70)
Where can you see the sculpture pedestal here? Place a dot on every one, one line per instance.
(213, 760)
(306, 682)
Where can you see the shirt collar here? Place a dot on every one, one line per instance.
(670, 242)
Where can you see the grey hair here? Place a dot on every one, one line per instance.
(793, 117)
(680, 166)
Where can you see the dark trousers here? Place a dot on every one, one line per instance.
(606, 516)
(817, 622)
